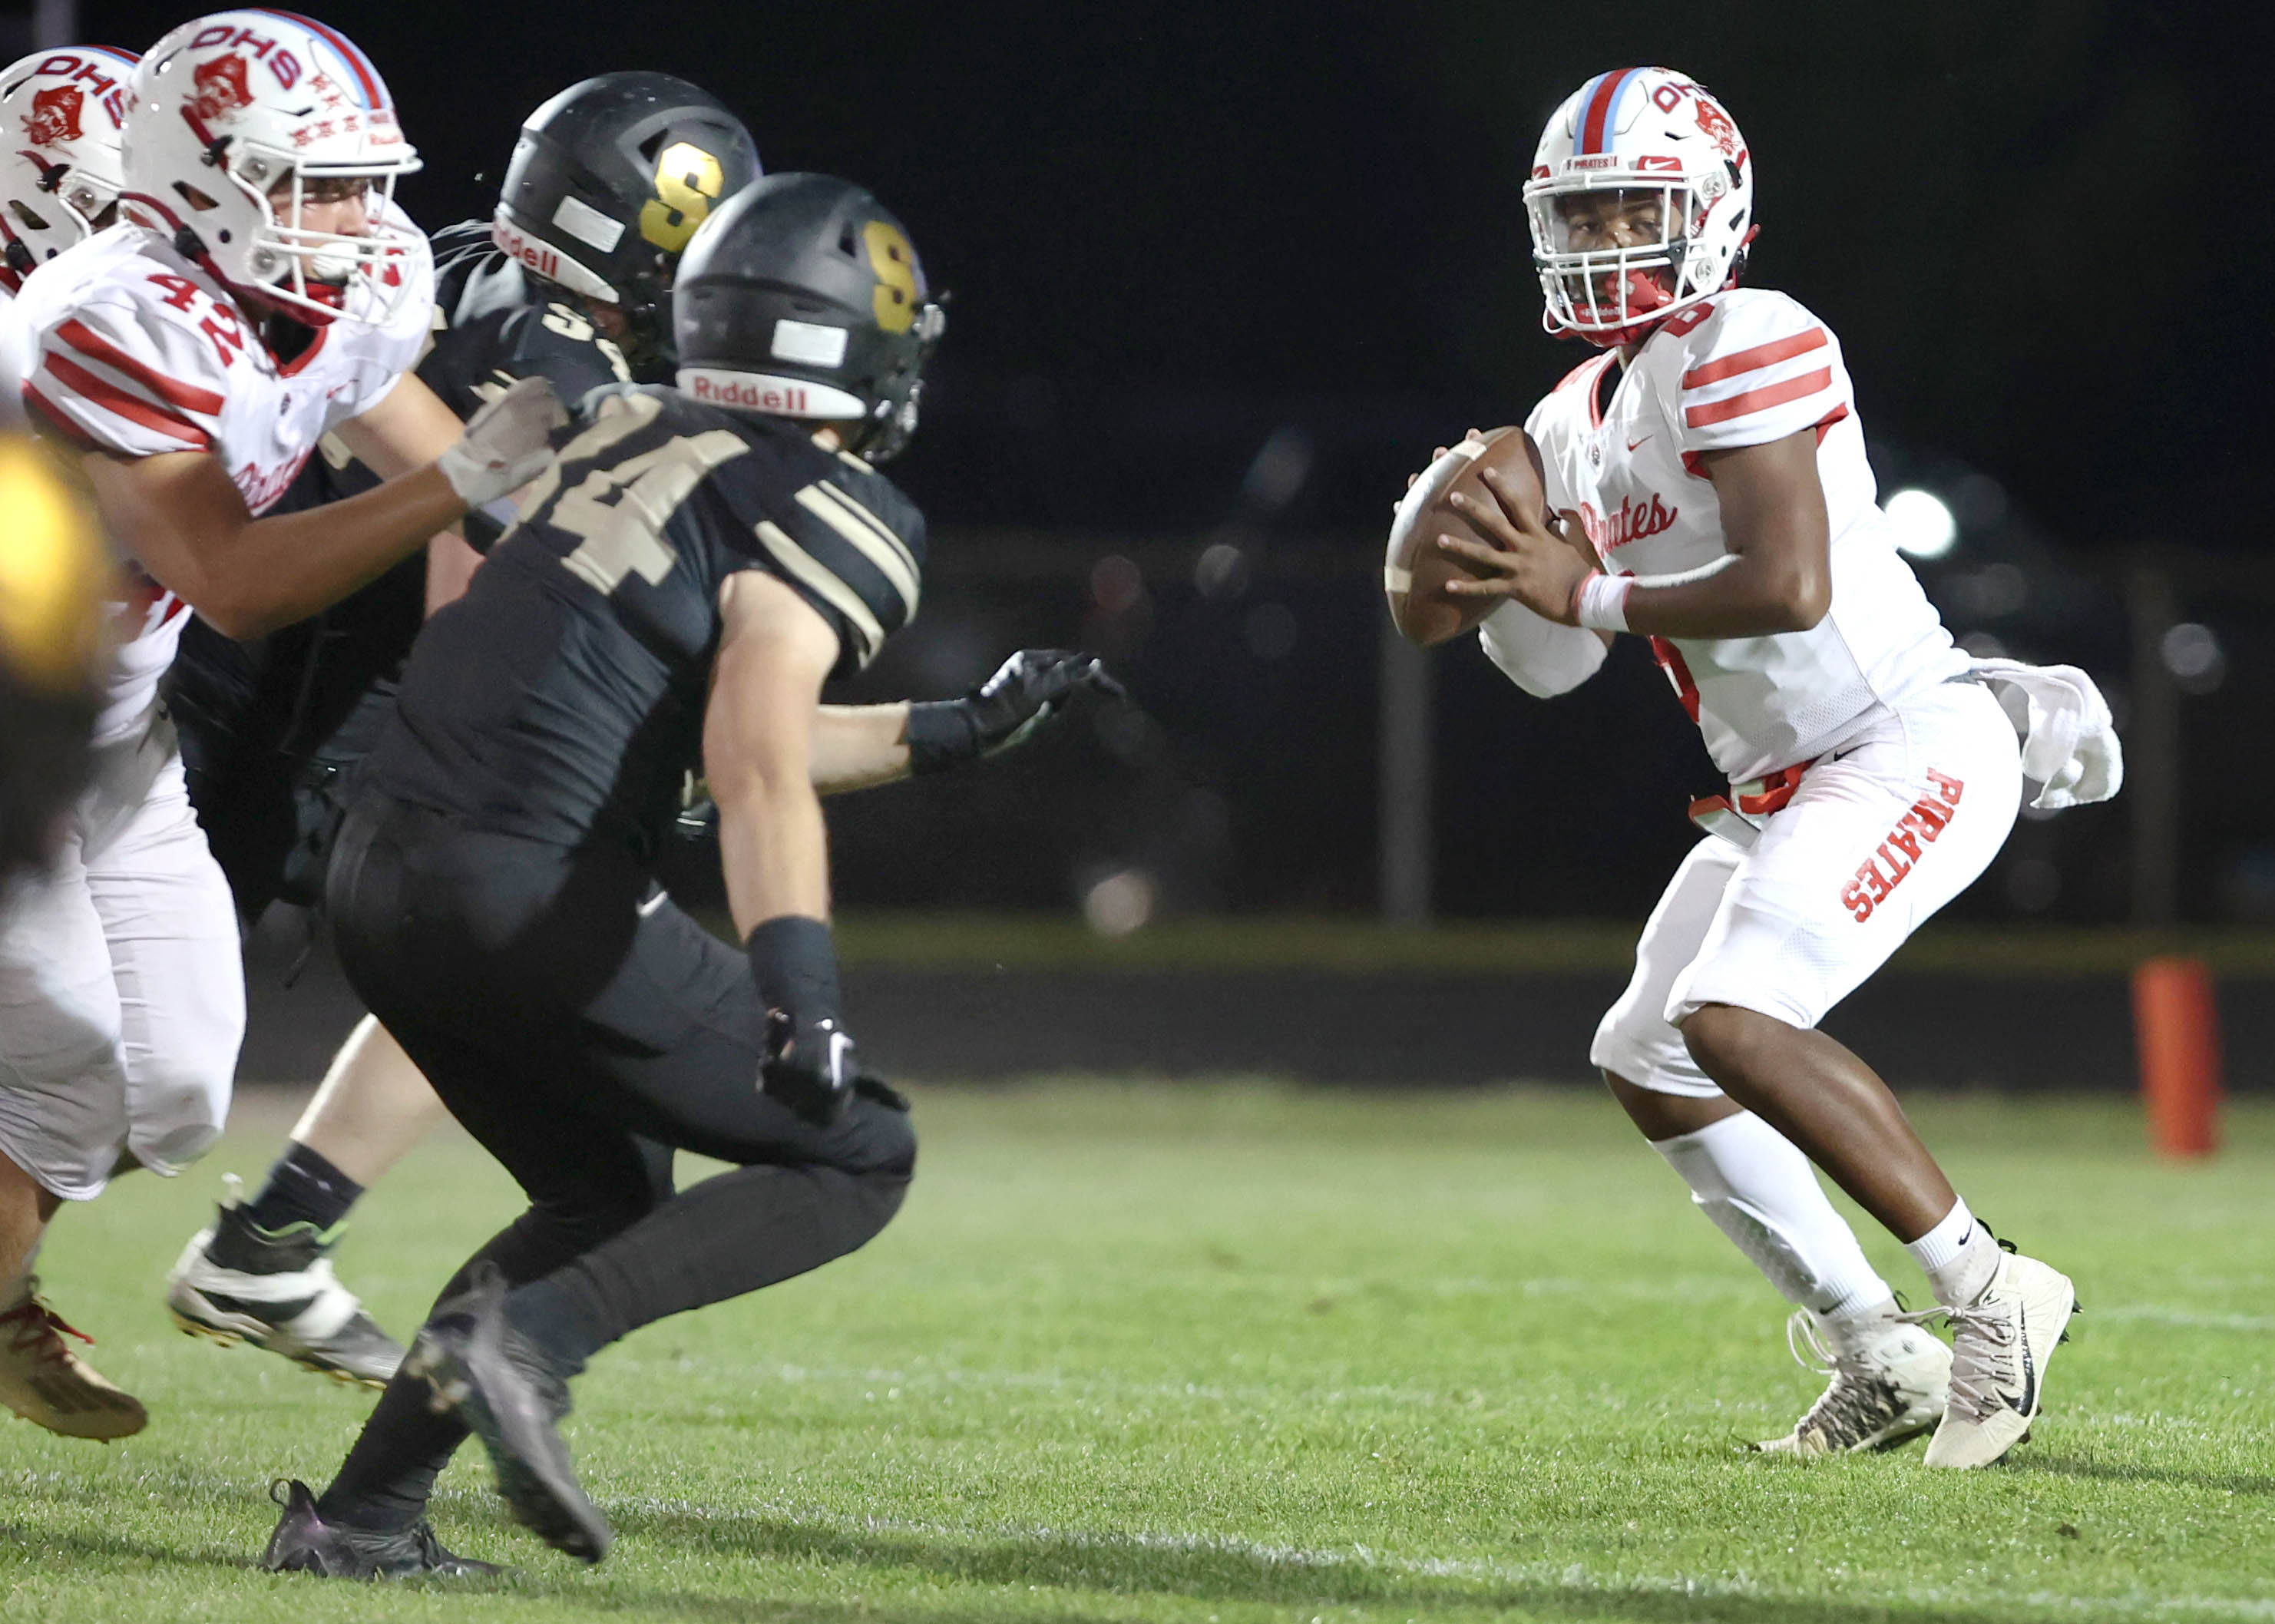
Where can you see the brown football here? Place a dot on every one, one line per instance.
(1415, 569)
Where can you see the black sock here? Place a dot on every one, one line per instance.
(386, 1480)
(303, 1188)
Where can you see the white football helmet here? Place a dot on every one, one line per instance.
(60, 114)
(231, 107)
(1638, 130)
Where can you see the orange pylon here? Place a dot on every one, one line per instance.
(2176, 1027)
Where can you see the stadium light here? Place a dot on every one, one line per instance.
(1924, 527)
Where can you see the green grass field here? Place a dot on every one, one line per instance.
(1233, 1354)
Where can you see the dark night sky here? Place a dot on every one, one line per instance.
(1172, 230)
(1170, 223)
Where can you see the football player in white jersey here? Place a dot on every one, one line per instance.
(260, 290)
(1710, 471)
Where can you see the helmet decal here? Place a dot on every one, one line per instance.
(1717, 125)
(899, 285)
(55, 116)
(221, 89)
(688, 182)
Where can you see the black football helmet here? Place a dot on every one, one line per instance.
(803, 297)
(608, 182)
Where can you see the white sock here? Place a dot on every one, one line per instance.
(1958, 1256)
(1760, 1191)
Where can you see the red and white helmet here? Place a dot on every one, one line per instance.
(232, 106)
(60, 116)
(1639, 129)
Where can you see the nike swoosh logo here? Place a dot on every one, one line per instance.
(1633, 443)
(2025, 1406)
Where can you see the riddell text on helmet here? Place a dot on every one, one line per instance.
(528, 250)
(1922, 826)
(754, 396)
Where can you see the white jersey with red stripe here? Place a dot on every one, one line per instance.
(1745, 367)
(136, 351)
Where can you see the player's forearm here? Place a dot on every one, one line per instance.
(1757, 595)
(859, 747)
(274, 571)
(774, 848)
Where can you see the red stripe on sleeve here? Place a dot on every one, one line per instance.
(51, 418)
(95, 347)
(1751, 360)
(1757, 400)
(113, 399)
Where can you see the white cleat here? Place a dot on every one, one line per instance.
(43, 1380)
(2001, 1343)
(1890, 1381)
(237, 1282)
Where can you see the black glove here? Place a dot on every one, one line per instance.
(809, 1064)
(1004, 712)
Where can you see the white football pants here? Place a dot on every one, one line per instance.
(121, 987)
(1880, 836)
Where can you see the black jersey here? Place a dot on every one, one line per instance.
(561, 699)
(263, 721)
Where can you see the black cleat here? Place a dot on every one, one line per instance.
(511, 1397)
(303, 1543)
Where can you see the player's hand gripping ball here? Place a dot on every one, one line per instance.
(1474, 530)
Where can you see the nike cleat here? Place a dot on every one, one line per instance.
(275, 1289)
(303, 1543)
(1890, 1381)
(43, 1380)
(2000, 1346)
(512, 1398)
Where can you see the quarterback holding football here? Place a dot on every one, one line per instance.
(1711, 461)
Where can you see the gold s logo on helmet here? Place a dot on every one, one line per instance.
(898, 293)
(688, 185)
(53, 573)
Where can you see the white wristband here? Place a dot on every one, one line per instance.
(1601, 603)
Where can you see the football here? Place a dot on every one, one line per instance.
(1415, 570)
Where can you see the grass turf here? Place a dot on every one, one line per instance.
(1231, 1354)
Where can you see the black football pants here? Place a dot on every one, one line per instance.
(582, 1034)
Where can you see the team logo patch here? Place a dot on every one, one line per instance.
(221, 87)
(1921, 826)
(55, 116)
(1719, 129)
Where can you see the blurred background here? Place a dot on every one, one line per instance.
(1223, 274)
